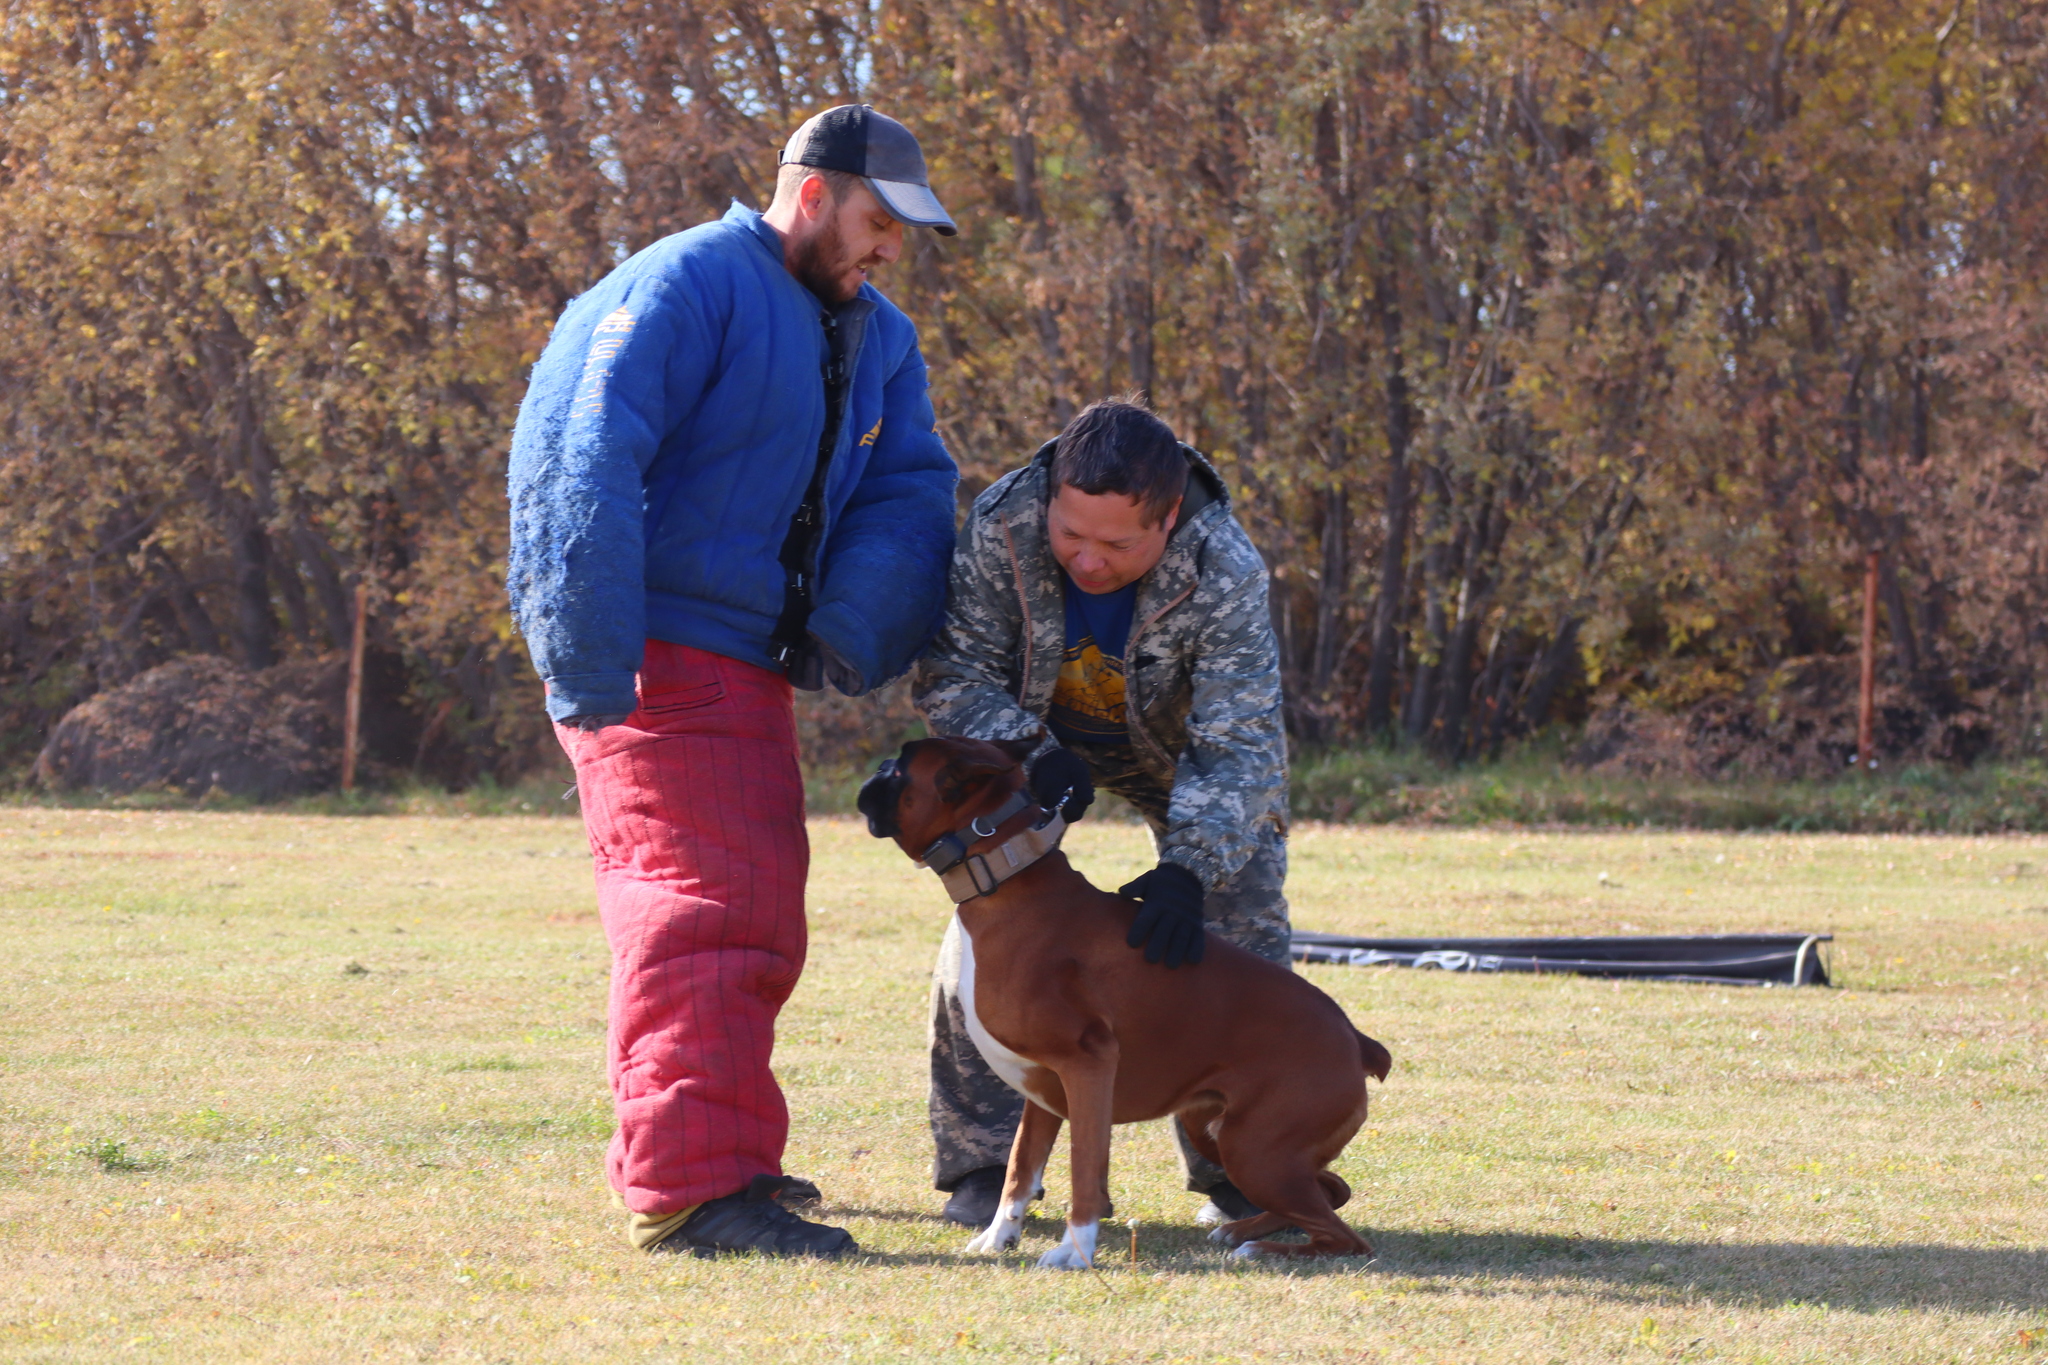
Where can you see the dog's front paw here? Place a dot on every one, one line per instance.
(1000, 1235)
(1221, 1236)
(1248, 1252)
(1076, 1250)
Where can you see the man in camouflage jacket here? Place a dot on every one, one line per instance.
(1205, 765)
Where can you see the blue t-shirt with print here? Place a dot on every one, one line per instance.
(1088, 699)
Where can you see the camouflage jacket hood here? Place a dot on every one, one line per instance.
(1201, 669)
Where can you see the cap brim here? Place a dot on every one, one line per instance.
(908, 203)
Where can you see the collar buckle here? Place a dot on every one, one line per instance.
(981, 875)
(972, 875)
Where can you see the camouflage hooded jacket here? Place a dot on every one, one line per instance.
(1202, 669)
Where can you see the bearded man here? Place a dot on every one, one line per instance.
(725, 482)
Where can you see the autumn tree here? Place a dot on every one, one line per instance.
(1559, 356)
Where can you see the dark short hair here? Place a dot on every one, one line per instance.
(1118, 446)
(838, 184)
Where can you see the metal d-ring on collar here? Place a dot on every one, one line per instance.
(948, 855)
(950, 849)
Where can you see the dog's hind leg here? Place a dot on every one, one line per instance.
(1035, 1134)
(1091, 1091)
(1266, 1224)
(1249, 1229)
(1196, 1121)
(1293, 1194)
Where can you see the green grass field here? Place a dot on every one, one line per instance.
(303, 1087)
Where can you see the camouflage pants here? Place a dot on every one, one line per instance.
(974, 1115)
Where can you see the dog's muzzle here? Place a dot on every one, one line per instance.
(879, 797)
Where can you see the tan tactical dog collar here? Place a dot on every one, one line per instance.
(966, 875)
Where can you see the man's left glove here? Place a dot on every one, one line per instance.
(1062, 771)
(815, 663)
(590, 725)
(1169, 921)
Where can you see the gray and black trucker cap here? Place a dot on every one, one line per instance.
(855, 139)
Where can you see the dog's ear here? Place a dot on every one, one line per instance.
(1018, 749)
(958, 780)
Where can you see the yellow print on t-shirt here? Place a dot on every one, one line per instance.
(1088, 699)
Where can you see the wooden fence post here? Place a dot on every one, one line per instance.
(352, 710)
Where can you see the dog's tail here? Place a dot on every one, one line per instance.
(1334, 1188)
(1378, 1061)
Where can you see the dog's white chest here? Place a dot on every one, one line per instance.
(1000, 1059)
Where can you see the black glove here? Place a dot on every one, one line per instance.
(815, 663)
(590, 725)
(1062, 770)
(1169, 922)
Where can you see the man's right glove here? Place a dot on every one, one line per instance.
(1169, 921)
(1058, 771)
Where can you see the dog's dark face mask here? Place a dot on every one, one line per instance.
(880, 795)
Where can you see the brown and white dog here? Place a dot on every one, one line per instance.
(1264, 1070)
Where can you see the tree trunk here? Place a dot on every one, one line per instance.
(317, 559)
(1138, 318)
(255, 623)
(1456, 706)
(1332, 590)
(201, 636)
(291, 591)
(1499, 690)
(1392, 605)
(1421, 707)
(1552, 672)
(1899, 618)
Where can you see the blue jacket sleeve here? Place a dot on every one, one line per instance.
(586, 436)
(883, 590)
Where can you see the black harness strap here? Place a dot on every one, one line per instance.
(791, 636)
(802, 548)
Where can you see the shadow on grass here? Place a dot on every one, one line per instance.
(829, 1211)
(1746, 1274)
(1754, 1274)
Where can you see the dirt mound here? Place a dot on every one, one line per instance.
(1798, 722)
(201, 723)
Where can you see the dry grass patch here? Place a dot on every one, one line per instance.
(300, 1087)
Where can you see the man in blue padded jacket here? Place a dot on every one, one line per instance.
(725, 483)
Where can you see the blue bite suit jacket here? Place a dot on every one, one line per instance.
(666, 439)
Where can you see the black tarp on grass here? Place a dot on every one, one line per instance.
(1715, 959)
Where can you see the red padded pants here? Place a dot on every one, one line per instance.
(695, 811)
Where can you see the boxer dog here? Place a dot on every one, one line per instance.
(1264, 1070)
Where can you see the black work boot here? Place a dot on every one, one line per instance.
(752, 1220)
(980, 1193)
(976, 1198)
